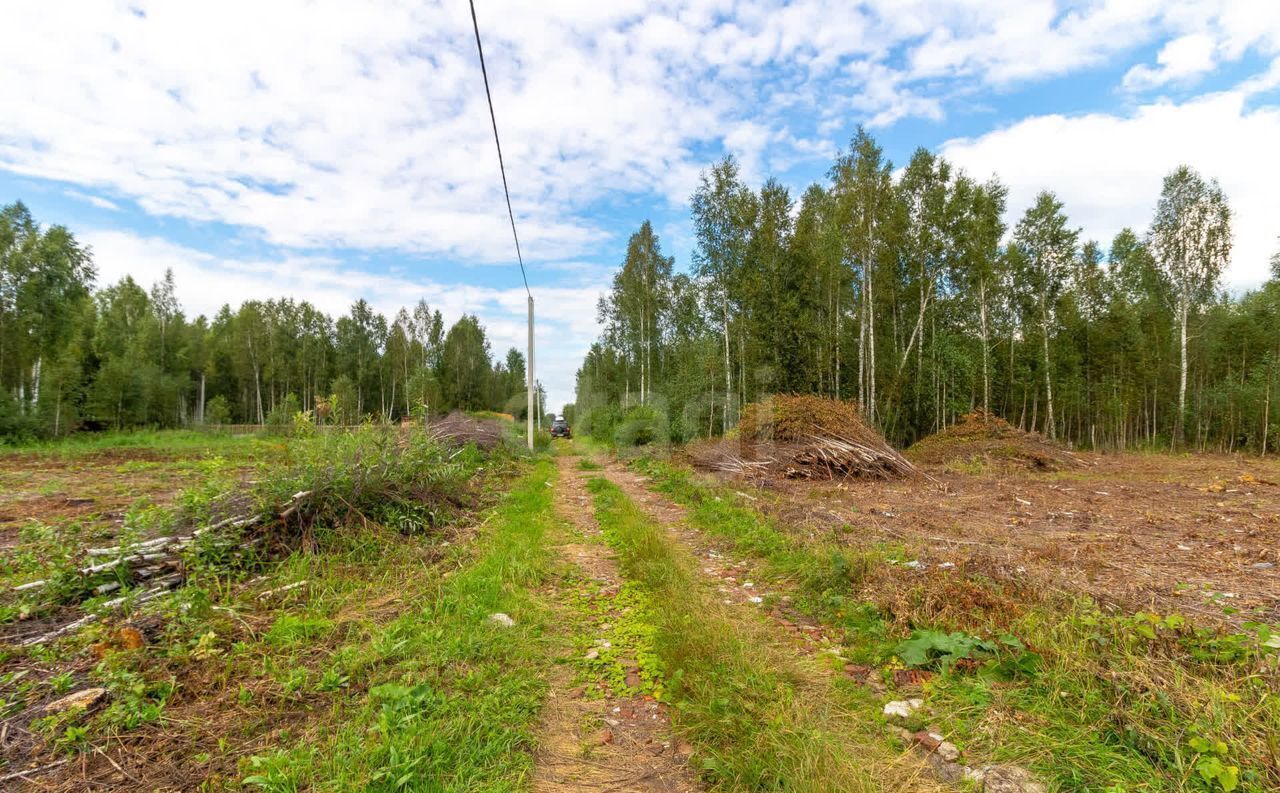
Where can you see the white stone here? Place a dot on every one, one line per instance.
(948, 751)
(902, 708)
(502, 620)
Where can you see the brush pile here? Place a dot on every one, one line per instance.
(986, 438)
(406, 481)
(803, 437)
(459, 429)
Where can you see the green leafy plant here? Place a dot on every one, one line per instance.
(1211, 764)
(332, 680)
(929, 648)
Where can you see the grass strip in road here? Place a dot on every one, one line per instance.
(1096, 701)
(453, 697)
(756, 716)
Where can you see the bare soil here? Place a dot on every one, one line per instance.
(96, 489)
(1198, 534)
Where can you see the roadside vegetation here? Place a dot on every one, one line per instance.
(1087, 698)
(758, 717)
(294, 636)
(908, 289)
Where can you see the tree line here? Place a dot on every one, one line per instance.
(906, 292)
(73, 355)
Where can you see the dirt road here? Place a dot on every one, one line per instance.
(594, 737)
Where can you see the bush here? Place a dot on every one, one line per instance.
(16, 426)
(281, 416)
(641, 426)
(217, 411)
(601, 422)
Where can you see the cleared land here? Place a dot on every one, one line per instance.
(1195, 534)
(398, 609)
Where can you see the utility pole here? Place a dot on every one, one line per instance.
(529, 375)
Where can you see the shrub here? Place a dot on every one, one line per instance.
(641, 426)
(601, 422)
(281, 416)
(15, 425)
(217, 411)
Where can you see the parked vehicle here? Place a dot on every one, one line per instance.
(560, 429)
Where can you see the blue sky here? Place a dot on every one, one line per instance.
(332, 150)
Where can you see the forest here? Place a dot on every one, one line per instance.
(907, 292)
(74, 354)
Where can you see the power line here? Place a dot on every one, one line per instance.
(498, 143)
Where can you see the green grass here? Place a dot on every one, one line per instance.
(759, 718)
(380, 671)
(186, 442)
(451, 699)
(1100, 701)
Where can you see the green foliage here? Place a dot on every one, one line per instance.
(281, 416)
(600, 423)
(642, 425)
(291, 630)
(893, 285)
(123, 356)
(437, 697)
(1211, 764)
(928, 648)
(217, 410)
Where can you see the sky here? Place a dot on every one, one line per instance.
(330, 150)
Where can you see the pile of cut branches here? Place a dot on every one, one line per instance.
(405, 480)
(459, 429)
(985, 437)
(803, 437)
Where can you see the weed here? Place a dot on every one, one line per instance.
(62, 683)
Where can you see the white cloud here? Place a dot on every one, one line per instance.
(1206, 33)
(1010, 40)
(98, 201)
(1185, 57)
(1107, 169)
(565, 316)
(316, 124)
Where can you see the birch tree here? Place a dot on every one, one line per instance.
(981, 228)
(722, 210)
(863, 187)
(1048, 248)
(1190, 237)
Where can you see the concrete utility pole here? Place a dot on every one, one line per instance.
(529, 374)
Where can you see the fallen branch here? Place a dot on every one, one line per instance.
(294, 503)
(41, 770)
(282, 590)
(70, 627)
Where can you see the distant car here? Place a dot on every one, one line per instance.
(560, 429)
